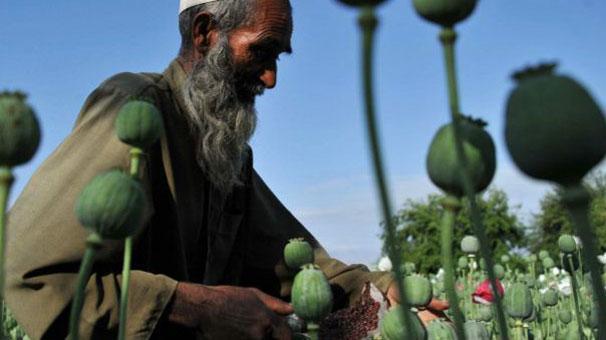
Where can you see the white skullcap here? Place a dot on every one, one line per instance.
(185, 4)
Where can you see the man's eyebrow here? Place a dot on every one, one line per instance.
(274, 44)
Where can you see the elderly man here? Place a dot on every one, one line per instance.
(214, 227)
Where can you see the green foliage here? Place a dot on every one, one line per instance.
(10, 328)
(553, 220)
(418, 228)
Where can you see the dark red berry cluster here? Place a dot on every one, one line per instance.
(353, 323)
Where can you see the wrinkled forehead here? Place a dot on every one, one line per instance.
(273, 15)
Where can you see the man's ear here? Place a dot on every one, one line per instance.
(202, 31)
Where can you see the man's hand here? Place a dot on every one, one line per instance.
(226, 312)
(434, 310)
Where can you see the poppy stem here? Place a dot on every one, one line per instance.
(93, 243)
(451, 205)
(575, 294)
(135, 161)
(368, 23)
(448, 38)
(6, 182)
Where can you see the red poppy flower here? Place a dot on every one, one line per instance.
(483, 293)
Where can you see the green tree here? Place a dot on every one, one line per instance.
(418, 228)
(553, 220)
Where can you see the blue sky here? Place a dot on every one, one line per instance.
(310, 145)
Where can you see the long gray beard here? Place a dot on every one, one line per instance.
(222, 123)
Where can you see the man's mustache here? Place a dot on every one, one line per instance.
(248, 89)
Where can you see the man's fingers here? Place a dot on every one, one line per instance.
(438, 305)
(427, 316)
(276, 305)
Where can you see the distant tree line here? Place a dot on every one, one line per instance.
(418, 225)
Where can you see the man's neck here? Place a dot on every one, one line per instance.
(186, 63)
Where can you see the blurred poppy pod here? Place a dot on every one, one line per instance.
(445, 12)
(393, 327)
(442, 161)
(470, 244)
(543, 254)
(519, 301)
(440, 329)
(418, 290)
(499, 271)
(483, 293)
(462, 263)
(361, 3)
(550, 297)
(476, 330)
(554, 129)
(139, 124)
(548, 263)
(19, 130)
(565, 316)
(112, 205)
(567, 244)
(485, 313)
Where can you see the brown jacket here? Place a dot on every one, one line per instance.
(192, 233)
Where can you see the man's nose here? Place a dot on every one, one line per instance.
(269, 77)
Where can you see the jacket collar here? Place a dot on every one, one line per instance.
(176, 78)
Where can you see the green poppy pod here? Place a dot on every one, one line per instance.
(505, 258)
(445, 12)
(554, 129)
(532, 258)
(543, 254)
(567, 244)
(550, 297)
(297, 253)
(440, 330)
(112, 205)
(470, 244)
(442, 161)
(463, 262)
(311, 294)
(418, 290)
(548, 263)
(499, 271)
(139, 124)
(518, 301)
(19, 130)
(393, 327)
(485, 313)
(475, 330)
(361, 3)
(565, 316)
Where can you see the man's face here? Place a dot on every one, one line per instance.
(220, 91)
(255, 48)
